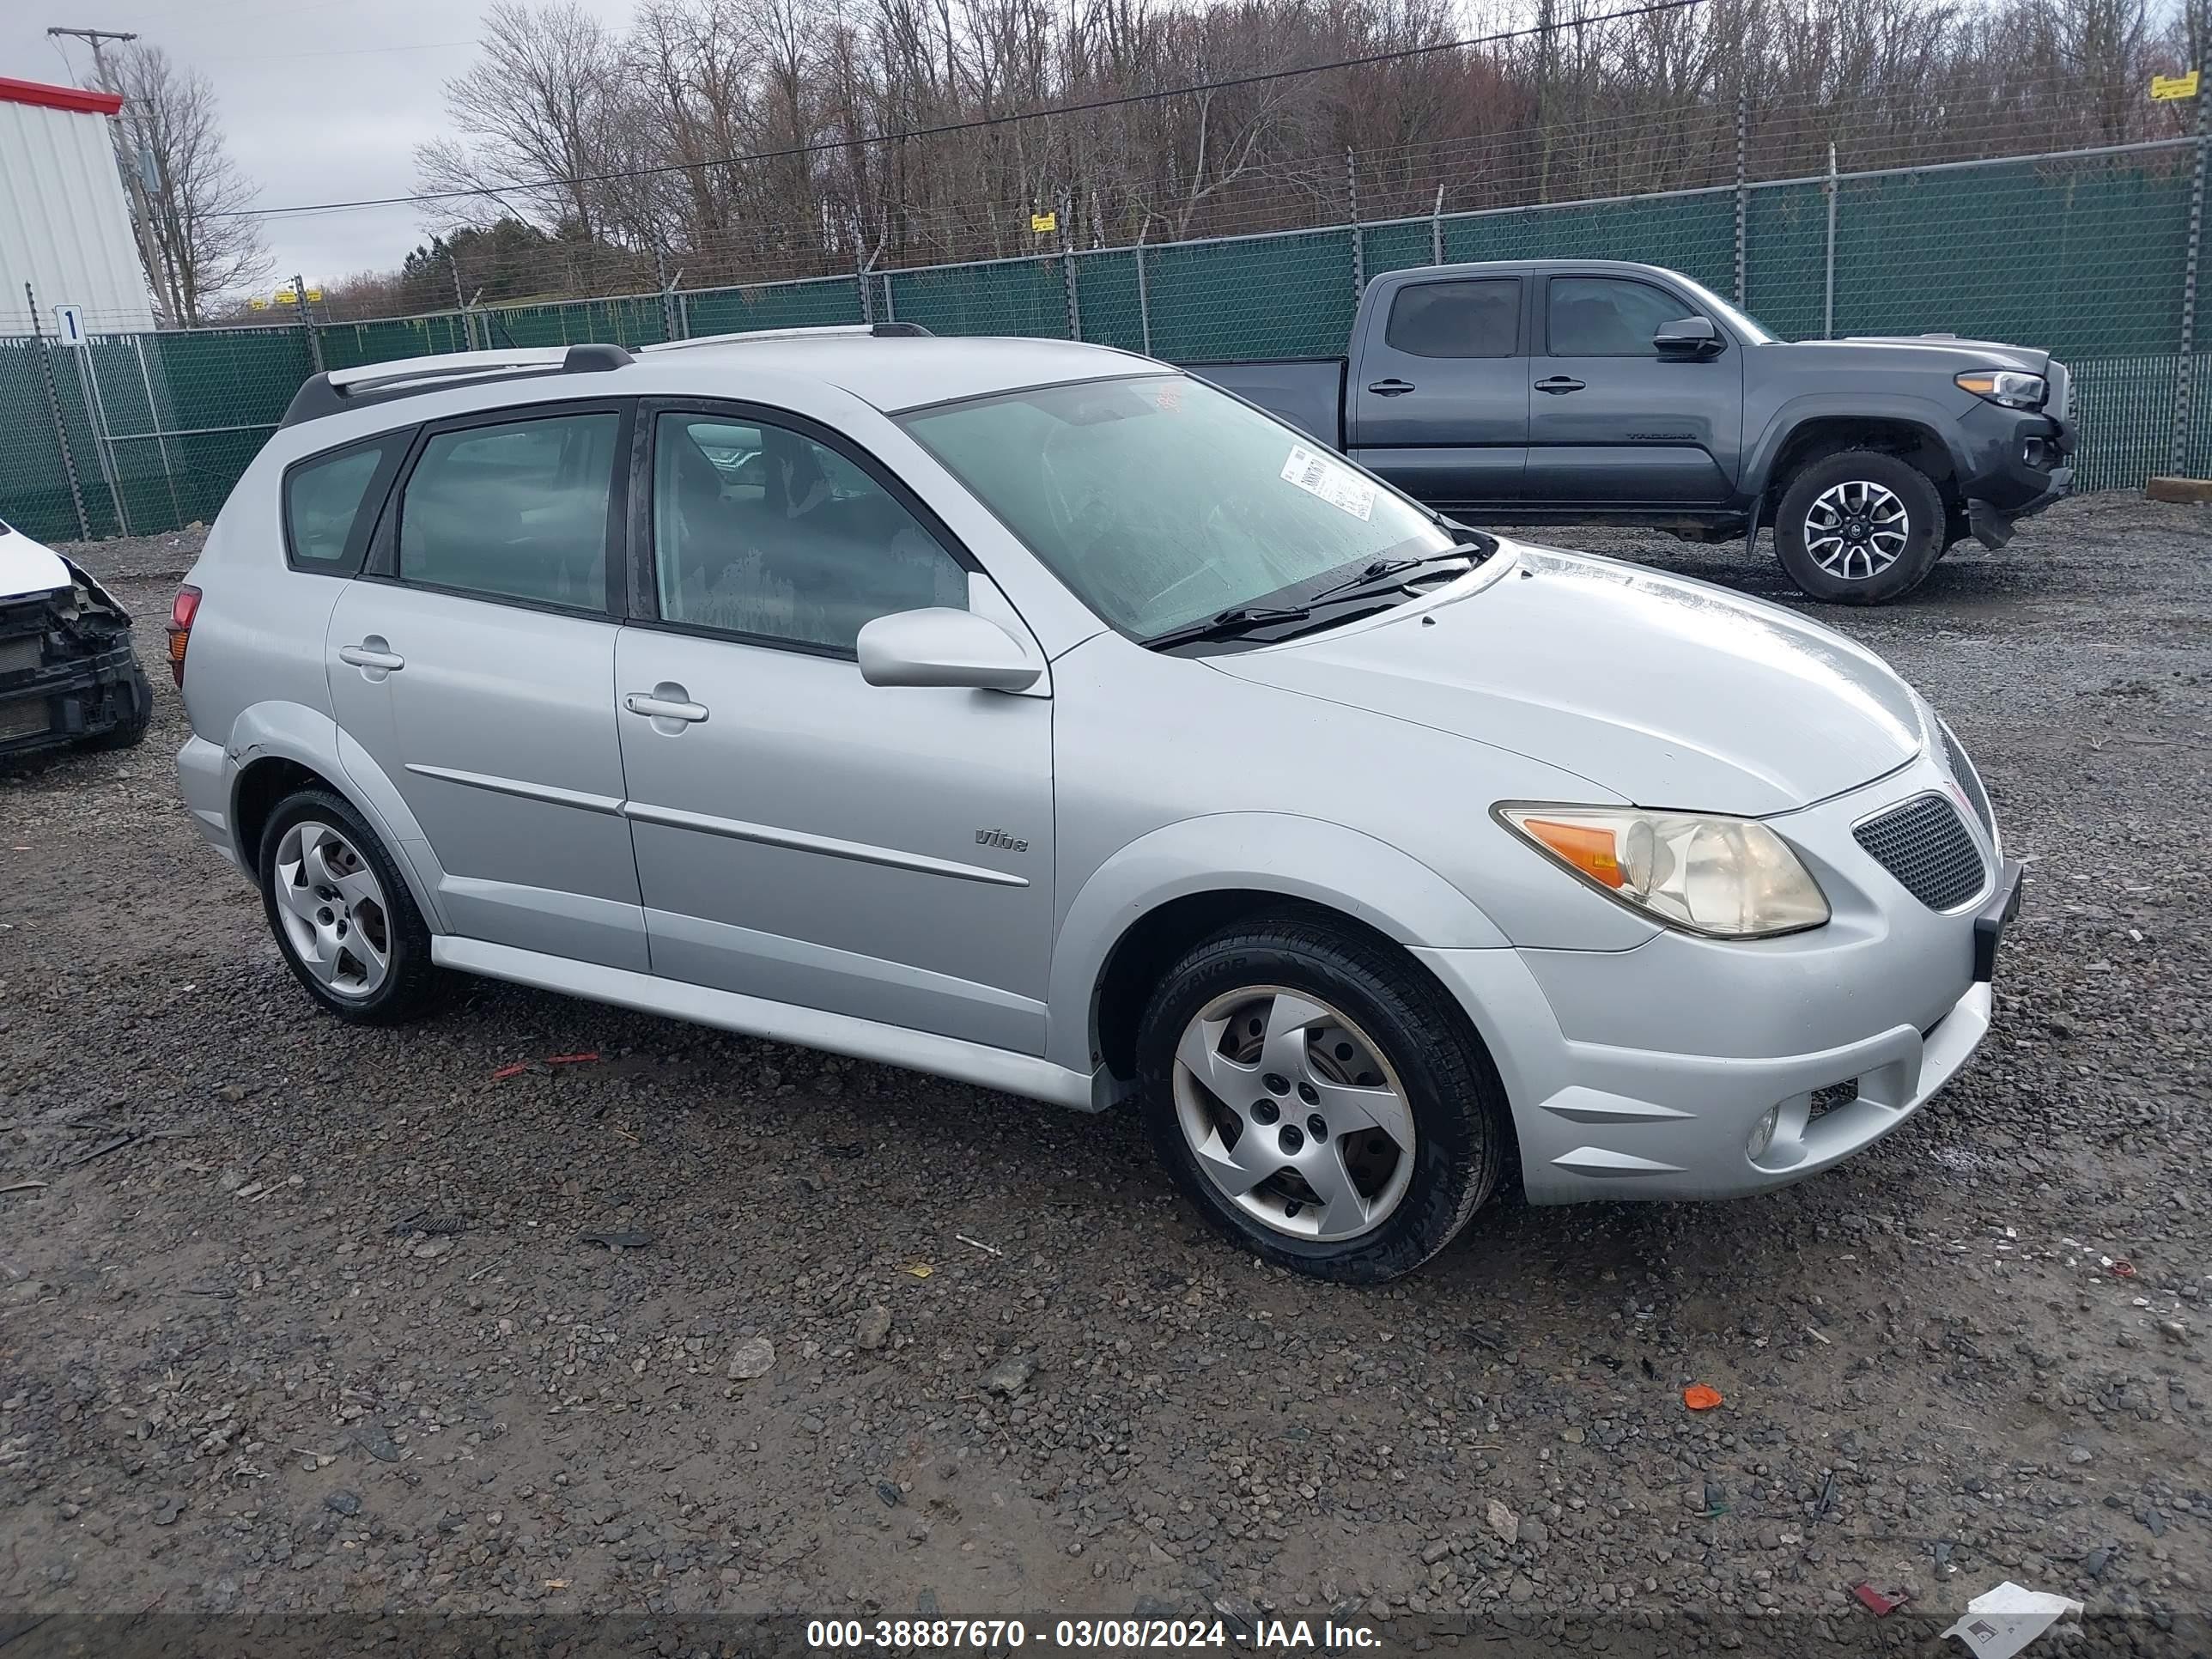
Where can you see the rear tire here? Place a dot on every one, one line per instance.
(1859, 527)
(1340, 1089)
(341, 912)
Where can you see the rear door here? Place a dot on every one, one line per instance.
(1439, 396)
(473, 662)
(1612, 424)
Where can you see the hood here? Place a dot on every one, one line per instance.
(1957, 353)
(1668, 692)
(28, 567)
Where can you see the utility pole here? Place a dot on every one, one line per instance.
(126, 162)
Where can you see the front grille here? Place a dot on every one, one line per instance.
(23, 717)
(21, 653)
(1928, 848)
(1970, 781)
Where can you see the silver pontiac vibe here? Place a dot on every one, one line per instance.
(1036, 716)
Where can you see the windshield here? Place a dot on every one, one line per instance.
(1753, 332)
(1160, 500)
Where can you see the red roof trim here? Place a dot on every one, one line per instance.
(69, 98)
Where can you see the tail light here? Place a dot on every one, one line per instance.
(180, 629)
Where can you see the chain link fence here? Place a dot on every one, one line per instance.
(2090, 252)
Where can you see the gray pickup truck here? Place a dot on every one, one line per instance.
(1601, 391)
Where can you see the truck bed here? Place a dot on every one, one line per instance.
(1307, 392)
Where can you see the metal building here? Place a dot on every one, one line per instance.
(64, 223)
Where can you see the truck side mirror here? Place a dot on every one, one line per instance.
(1691, 337)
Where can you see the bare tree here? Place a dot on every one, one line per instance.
(204, 246)
(753, 140)
(533, 118)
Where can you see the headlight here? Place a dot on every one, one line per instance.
(1729, 877)
(2004, 386)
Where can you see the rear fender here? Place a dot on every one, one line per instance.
(309, 738)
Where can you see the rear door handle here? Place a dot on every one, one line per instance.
(1557, 384)
(371, 654)
(1391, 388)
(656, 705)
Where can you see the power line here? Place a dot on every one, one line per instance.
(1653, 9)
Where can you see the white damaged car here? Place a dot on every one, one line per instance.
(67, 672)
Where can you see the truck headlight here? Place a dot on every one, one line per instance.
(1698, 872)
(2004, 386)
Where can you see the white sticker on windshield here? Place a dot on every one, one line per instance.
(1334, 482)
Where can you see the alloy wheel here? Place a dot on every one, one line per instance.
(1293, 1114)
(1857, 530)
(332, 909)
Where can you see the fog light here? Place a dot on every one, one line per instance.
(1762, 1132)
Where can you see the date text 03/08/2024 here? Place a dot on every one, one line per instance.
(1285, 1636)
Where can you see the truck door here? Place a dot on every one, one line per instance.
(1612, 424)
(1439, 394)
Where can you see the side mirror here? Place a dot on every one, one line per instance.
(1691, 337)
(942, 646)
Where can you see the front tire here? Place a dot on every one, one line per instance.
(1859, 528)
(1322, 1103)
(343, 919)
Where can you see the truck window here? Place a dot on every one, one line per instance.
(1608, 316)
(1480, 318)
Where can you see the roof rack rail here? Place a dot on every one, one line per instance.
(340, 389)
(821, 332)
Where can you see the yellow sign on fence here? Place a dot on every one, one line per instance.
(2164, 87)
(1043, 222)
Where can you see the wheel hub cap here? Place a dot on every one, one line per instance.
(332, 909)
(1857, 530)
(1331, 1166)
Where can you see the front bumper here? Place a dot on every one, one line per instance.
(70, 698)
(1646, 1073)
(2018, 462)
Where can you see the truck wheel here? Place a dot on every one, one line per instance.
(1859, 528)
(1321, 1102)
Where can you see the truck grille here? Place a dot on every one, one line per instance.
(1928, 848)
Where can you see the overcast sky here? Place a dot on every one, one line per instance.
(322, 100)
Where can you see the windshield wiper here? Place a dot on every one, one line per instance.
(1228, 625)
(1382, 569)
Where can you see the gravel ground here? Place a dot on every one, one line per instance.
(296, 1318)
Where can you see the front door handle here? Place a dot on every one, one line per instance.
(666, 702)
(1557, 384)
(372, 654)
(1390, 388)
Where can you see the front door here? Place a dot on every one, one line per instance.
(1610, 423)
(801, 836)
(475, 665)
(1439, 404)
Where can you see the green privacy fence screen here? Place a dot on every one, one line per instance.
(2087, 252)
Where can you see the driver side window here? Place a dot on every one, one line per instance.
(1607, 316)
(758, 530)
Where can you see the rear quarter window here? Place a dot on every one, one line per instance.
(330, 501)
